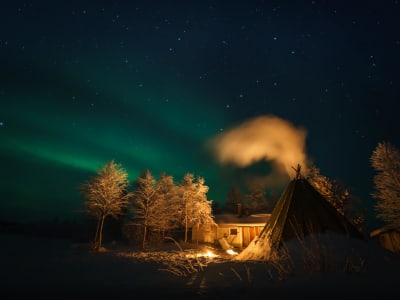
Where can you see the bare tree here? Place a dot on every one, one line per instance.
(338, 195)
(203, 206)
(106, 195)
(146, 206)
(332, 190)
(385, 159)
(195, 207)
(169, 203)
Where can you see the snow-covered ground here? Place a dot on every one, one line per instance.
(45, 268)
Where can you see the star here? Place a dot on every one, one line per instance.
(180, 76)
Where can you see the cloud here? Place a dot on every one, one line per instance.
(264, 138)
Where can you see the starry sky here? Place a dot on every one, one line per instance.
(148, 83)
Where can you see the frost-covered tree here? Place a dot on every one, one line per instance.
(167, 194)
(385, 159)
(195, 207)
(203, 206)
(146, 206)
(338, 195)
(332, 190)
(106, 194)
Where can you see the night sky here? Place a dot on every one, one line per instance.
(149, 83)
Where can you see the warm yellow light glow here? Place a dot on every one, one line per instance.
(208, 253)
(231, 252)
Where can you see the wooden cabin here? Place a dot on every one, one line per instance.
(238, 231)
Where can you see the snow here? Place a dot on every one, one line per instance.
(61, 269)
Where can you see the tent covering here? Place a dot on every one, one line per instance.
(300, 211)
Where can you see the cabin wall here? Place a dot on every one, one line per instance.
(232, 234)
(249, 233)
(236, 235)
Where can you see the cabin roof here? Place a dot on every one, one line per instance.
(234, 219)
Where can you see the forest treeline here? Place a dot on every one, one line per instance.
(151, 207)
(148, 205)
(148, 209)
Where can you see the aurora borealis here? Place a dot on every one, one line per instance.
(148, 83)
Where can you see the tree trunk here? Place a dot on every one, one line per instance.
(186, 229)
(197, 236)
(95, 245)
(101, 232)
(144, 236)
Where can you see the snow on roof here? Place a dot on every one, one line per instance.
(250, 220)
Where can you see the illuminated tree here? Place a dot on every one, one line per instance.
(338, 195)
(169, 203)
(332, 190)
(203, 206)
(195, 207)
(385, 159)
(146, 205)
(106, 195)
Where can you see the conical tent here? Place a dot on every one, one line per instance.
(300, 211)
